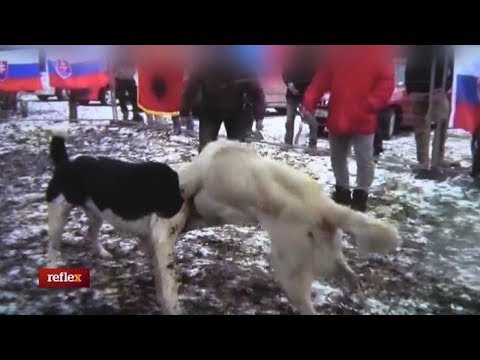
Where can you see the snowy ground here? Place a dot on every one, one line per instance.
(225, 270)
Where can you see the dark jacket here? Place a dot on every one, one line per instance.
(418, 67)
(300, 69)
(223, 88)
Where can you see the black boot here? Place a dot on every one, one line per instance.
(137, 117)
(342, 196)
(359, 200)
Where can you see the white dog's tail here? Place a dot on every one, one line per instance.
(372, 235)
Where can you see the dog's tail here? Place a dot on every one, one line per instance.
(58, 151)
(372, 235)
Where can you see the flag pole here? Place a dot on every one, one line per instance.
(111, 76)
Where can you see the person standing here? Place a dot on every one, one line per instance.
(222, 91)
(177, 121)
(476, 155)
(429, 69)
(360, 79)
(297, 75)
(124, 69)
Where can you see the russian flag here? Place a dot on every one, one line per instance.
(19, 70)
(466, 89)
(77, 67)
(467, 103)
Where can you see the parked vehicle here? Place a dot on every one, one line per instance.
(48, 92)
(103, 95)
(275, 90)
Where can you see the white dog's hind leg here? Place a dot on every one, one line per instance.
(297, 283)
(58, 211)
(163, 239)
(296, 279)
(94, 225)
(341, 267)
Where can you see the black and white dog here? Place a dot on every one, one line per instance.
(143, 199)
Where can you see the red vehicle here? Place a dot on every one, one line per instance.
(103, 95)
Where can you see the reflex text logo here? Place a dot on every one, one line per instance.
(63, 278)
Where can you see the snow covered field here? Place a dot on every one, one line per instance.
(225, 270)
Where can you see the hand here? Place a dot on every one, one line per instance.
(304, 113)
(292, 88)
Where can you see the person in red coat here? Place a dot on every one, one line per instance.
(360, 79)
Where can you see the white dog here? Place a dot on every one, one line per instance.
(230, 183)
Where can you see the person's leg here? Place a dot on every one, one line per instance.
(249, 120)
(190, 125)
(121, 94)
(421, 128)
(132, 97)
(476, 155)
(237, 126)
(209, 126)
(313, 135)
(363, 148)
(292, 105)
(339, 151)
(377, 146)
(440, 114)
(177, 125)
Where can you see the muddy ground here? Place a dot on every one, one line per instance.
(225, 270)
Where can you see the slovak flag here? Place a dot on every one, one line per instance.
(466, 89)
(19, 70)
(77, 67)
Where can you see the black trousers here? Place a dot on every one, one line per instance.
(126, 91)
(236, 125)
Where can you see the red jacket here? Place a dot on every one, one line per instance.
(360, 79)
